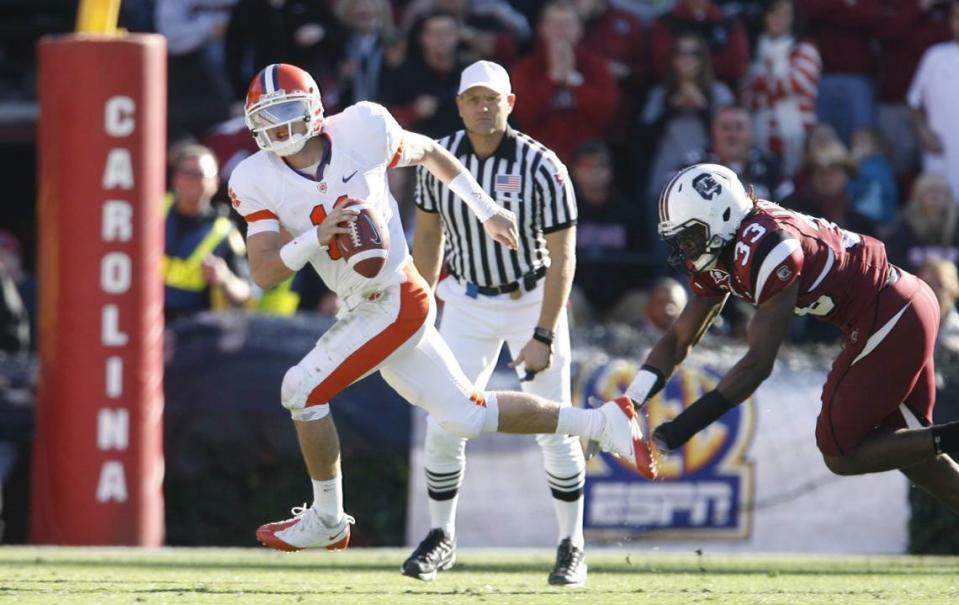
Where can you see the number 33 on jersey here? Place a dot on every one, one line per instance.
(838, 271)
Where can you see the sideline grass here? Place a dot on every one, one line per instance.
(65, 576)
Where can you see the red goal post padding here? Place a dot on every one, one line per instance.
(98, 455)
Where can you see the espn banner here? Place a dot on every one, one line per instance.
(98, 454)
(753, 481)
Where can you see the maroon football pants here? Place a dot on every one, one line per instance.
(886, 362)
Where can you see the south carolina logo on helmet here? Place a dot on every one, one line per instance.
(279, 99)
(700, 210)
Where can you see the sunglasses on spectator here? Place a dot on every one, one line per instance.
(687, 52)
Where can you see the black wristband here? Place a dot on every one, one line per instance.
(703, 412)
(544, 336)
(660, 380)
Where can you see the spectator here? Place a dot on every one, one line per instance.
(276, 31)
(363, 43)
(11, 267)
(831, 168)
(906, 28)
(874, 188)
(749, 12)
(610, 231)
(617, 35)
(781, 86)
(678, 113)
(489, 29)
(932, 96)
(932, 525)
(732, 146)
(198, 91)
(821, 135)
(14, 322)
(942, 277)
(842, 31)
(726, 38)
(421, 93)
(653, 311)
(203, 261)
(926, 227)
(647, 11)
(231, 142)
(569, 95)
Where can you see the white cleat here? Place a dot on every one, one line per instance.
(624, 438)
(305, 530)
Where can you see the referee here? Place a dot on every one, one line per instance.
(495, 295)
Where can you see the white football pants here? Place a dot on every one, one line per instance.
(391, 331)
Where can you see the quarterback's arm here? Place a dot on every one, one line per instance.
(428, 245)
(419, 150)
(266, 267)
(272, 259)
(767, 330)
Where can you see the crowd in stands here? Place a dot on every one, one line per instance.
(838, 108)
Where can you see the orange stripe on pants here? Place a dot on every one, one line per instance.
(414, 308)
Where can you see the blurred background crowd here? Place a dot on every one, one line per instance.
(839, 108)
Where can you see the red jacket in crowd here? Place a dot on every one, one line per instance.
(905, 31)
(725, 37)
(561, 116)
(842, 30)
(618, 36)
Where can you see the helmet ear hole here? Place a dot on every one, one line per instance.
(727, 214)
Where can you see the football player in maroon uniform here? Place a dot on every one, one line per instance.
(878, 398)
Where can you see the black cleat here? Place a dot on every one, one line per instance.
(570, 568)
(437, 552)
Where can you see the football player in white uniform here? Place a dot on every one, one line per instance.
(307, 164)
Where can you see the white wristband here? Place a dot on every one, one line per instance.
(466, 187)
(298, 251)
(641, 385)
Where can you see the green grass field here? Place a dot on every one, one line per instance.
(65, 576)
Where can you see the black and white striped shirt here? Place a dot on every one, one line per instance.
(523, 176)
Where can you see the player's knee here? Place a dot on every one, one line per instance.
(467, 420)
(441, 444)
(296, 387)
(466, 426)
(841, 465)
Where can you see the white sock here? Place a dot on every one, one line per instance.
(570, 517)
(443, 514)
(328, 499)
(580, 422)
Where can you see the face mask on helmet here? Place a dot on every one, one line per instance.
(691, 249)
(283, 128)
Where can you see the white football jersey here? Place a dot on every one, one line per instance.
(363, 141)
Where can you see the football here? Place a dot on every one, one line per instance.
(367, 244)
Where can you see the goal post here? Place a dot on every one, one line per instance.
(97, 475)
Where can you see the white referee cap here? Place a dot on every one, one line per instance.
(488, 74)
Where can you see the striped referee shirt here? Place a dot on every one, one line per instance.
(523, 176)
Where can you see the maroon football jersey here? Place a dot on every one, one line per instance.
(839, 271)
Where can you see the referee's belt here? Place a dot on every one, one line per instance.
(527, 282)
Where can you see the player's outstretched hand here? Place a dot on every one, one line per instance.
(502, 227)
(336, 222)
